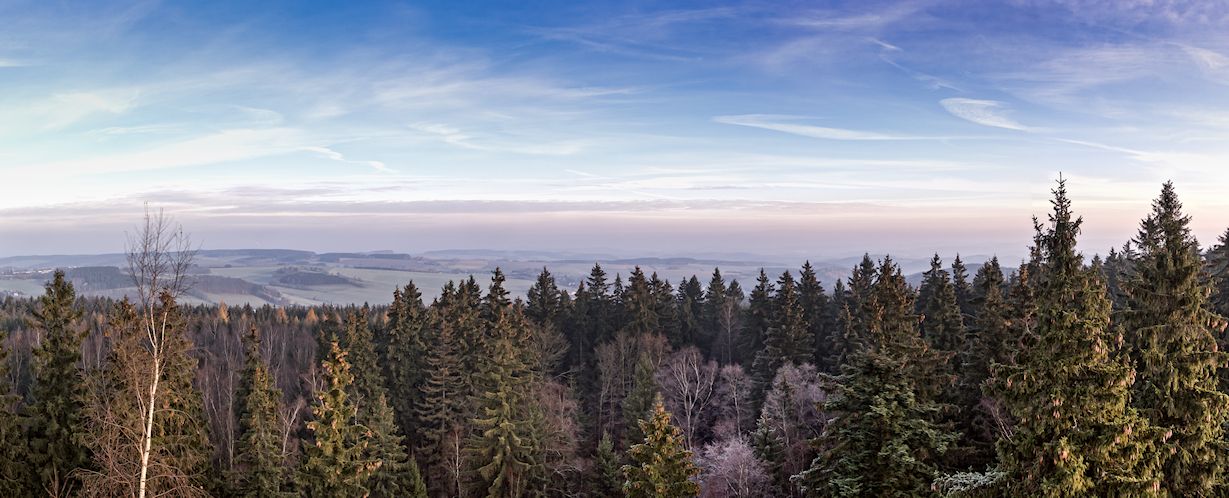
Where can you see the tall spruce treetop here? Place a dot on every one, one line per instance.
(960, 280)
(544, 301)
(660, 466)
(359, 344)
(815, 308)
(404, 361)
(259, 472)
(883, 439)
(942, 321)
(690, 308)
(639, 304)
(1177, 357)
(1068, 391)
(788, 339)
(335, 462)
(759, 315)
(58, 390)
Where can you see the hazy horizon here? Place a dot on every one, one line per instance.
(903, 127)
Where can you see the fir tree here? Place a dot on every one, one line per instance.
(884, 439)
(445, 391)
(1069, 387)
(989, 343)
(714, 314)
(58, 389)
(690, 306)
(1168, 320)
(259, 471)
(335, 461)
(661, 467)
(544, 302)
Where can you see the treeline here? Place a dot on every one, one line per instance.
(1061, 377)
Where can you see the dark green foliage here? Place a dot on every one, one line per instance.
(58, 389)
(660, 466)
(690, 308)
(1168, 320)
(815, 308)
(960, 280)
(15, 470)
(259, 471)
(759, 318)
(607, 473)
(788, 339)
(639, 402)
(989, 343)
(446, 390)
(640, 305)
(1069, 386)
(942, 321)
(396, 475)
(358, 342)
(335, 461)
(405, 357)
(545, 304)
(883, 439)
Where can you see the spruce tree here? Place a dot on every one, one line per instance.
(445, 391)
(960, 280)
(788, 339)
(1168, 320)
(989, 343)
(815, 308)
(942, 322)
(335, 460)
(503, 448)
(759, 318)
(639, 402)
(405, 363)
(640, 305)
(660, 466)
(544, 302)
(1217, 263)
(358, 342)
(884, 439)
(396, 475)
(690, 306)
(259, 471)
(664, 306)
(607, 473)
(58, 389)
(715, 312)
(1075, 434)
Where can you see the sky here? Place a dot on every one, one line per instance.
(798, 129)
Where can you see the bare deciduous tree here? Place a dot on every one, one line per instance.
(689, 384)
(731, 469)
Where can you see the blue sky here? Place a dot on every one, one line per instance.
(809, 129)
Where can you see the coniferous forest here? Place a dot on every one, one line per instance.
(1061, 375)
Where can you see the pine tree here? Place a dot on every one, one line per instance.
(15, 467)
(259, 471)
(788, 340)
(335, 461)
(1168, 320)
(396, 475)
(58, 389)
(607, 473)
(883, 439)
(661, 467)
(1069, 387)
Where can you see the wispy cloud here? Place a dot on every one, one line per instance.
(337, 156)
(788, 124)
(983, 112)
